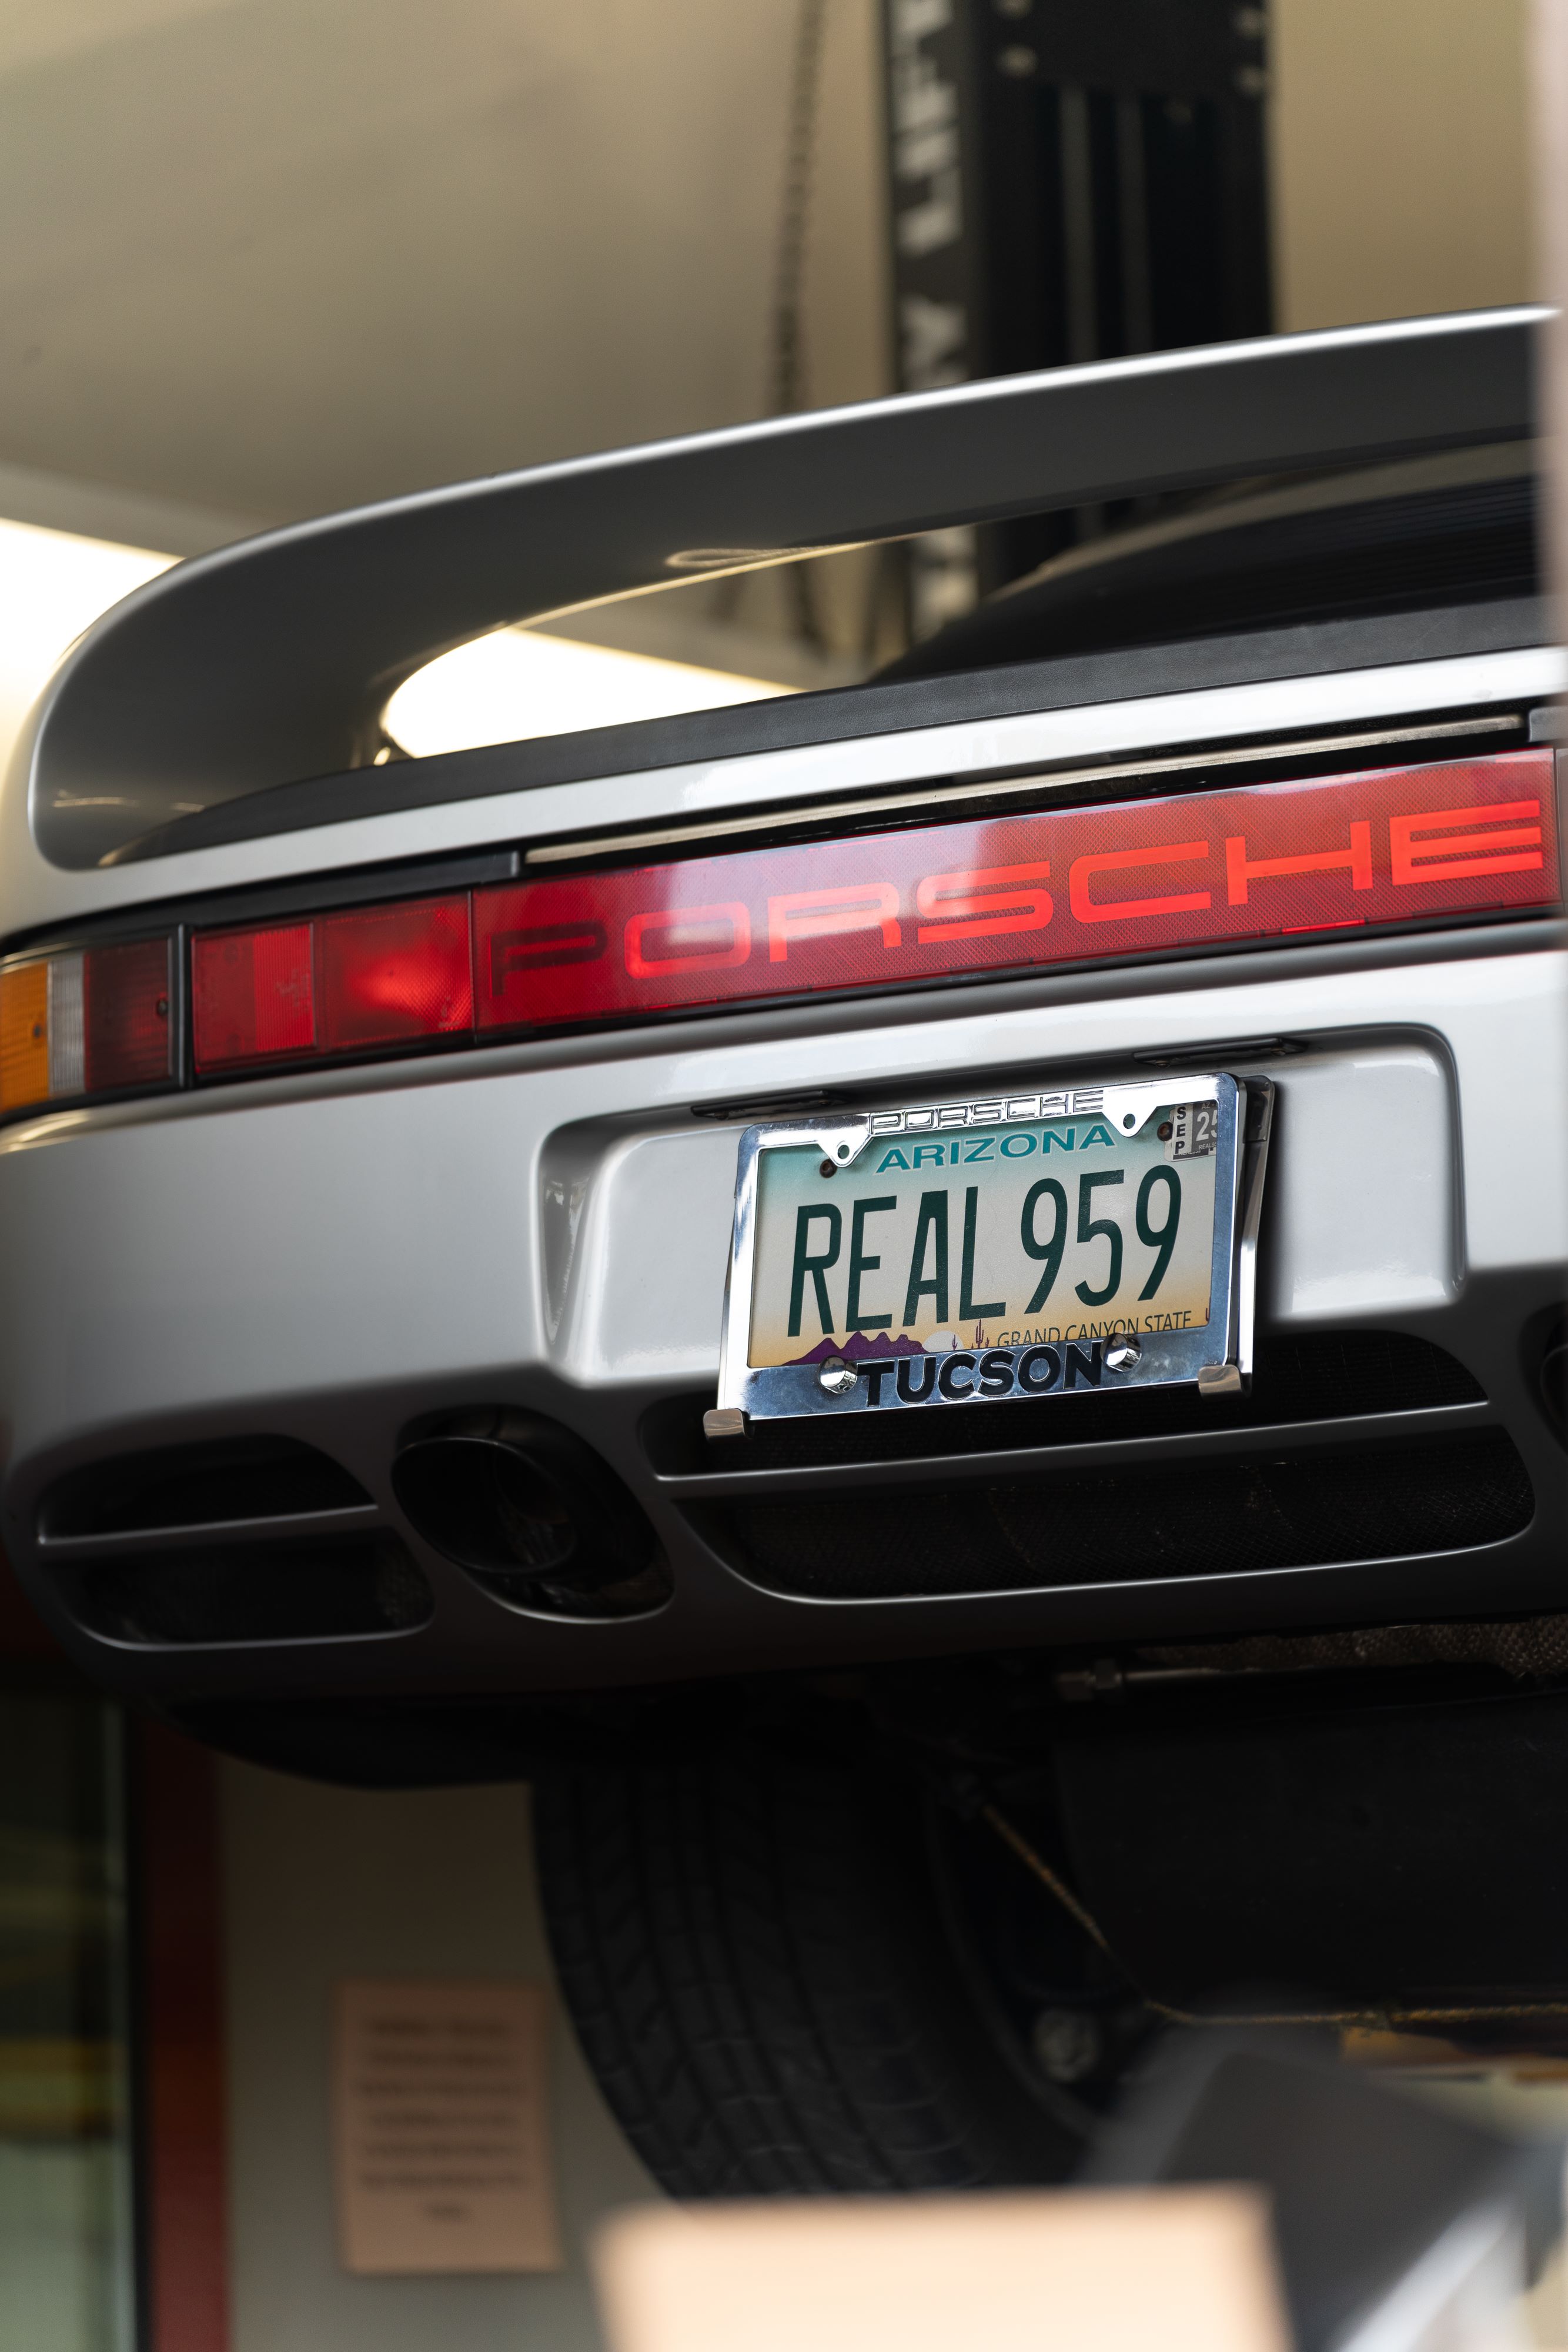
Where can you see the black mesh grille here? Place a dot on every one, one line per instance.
(1313, 1376)
(1108, 1526)
(252, 1592)
(1520, 1645)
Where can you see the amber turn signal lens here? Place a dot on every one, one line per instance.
(23, 1035)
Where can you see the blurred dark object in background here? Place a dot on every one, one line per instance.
(1399, 2226)
(1067, 185)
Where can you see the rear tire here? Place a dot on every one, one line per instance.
(752, 1951)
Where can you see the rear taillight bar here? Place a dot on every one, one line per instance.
(1058, 886)
(1381, 850)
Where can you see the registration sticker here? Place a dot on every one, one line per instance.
(1194, 1130)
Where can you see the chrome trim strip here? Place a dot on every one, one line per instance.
(945, 795)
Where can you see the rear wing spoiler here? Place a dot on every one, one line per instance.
(271, 661)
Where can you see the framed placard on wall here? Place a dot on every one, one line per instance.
(440, 2122)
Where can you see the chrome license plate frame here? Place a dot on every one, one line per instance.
(1222, 1120)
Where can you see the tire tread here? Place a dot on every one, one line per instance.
(741, 1986)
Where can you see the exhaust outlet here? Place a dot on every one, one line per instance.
(531, 1512)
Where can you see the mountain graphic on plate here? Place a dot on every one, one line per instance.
(857, 1348)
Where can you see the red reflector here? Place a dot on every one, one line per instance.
(372, 976)
(253, 997)
(125, 1014)
(1386, 848)
(393, 972)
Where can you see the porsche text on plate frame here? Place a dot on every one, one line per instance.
(1052, 1240)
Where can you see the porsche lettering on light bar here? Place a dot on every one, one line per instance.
(1080, 885)
(1059, 885)
(1002, 893)
(1122, 879)
(1382, 849)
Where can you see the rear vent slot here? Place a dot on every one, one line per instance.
(301, 1592)
(1310, 1376)
(219, 1481)
(1109, 1527)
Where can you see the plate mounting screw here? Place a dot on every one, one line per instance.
(1123, 1351)
(837, 1377)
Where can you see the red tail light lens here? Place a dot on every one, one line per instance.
(393, 973)
(370, 977)
(125, 1014)
(253, 996)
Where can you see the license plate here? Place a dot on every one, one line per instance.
(1049, 1242)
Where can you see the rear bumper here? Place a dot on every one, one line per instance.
(328, 1258)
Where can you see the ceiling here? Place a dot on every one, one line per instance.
(261, 259)
(266, 257)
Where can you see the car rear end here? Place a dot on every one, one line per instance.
(368, 1178)
(328, 1136)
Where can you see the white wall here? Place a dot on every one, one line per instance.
(281, 255)
(270, 256)
(326, 1882)
(1401, 157)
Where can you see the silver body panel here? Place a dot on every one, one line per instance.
(545, 1225)
(548, 1224)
